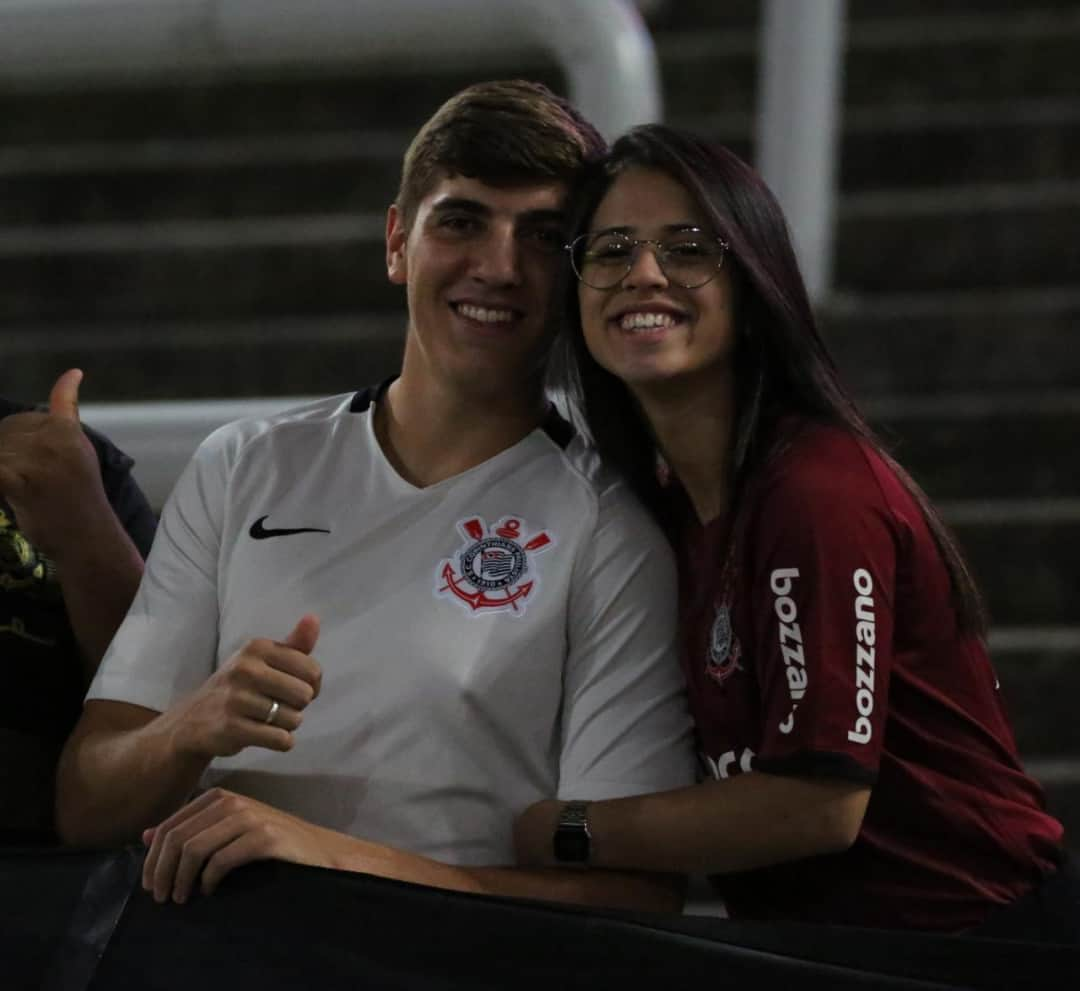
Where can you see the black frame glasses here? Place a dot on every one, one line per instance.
(689, 259)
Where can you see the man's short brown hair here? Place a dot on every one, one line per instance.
(504, 133)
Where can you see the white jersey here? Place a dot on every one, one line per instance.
(505, 635)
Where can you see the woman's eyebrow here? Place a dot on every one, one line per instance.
(681, 227)
(543, 216)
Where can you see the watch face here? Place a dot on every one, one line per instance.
(571, 845)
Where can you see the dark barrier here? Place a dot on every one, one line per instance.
(80, 922)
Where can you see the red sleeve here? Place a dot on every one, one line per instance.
(822, 547)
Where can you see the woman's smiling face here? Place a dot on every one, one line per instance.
(647, 329)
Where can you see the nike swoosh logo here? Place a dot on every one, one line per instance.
(259, 532)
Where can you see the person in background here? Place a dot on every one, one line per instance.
(74, 529)
(374, 629)
(862, 769)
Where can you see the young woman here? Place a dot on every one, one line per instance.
(832, 637)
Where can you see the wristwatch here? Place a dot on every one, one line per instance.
(573, 841)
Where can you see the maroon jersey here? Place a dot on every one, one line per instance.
(822, 641)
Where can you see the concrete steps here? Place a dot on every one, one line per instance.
(904, 145)
(376, 98)
(990, 57)
(207, 358)
(944, 442)
(960, 237)
(123, 182)
(216, 270)
(988, 340)
(1023, 555)
(1040, 680)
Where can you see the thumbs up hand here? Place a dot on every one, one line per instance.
(64, 396)
(49, 473)
(256, 698)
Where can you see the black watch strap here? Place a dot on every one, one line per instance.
(573, 841)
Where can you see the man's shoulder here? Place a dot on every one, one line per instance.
(301, 424)
(601, 483)
(621, 528)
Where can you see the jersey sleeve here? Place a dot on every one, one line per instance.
(166, 647)
(124, 495)
(823, 547)
(625, 723)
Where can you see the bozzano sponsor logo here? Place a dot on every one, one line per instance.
(865, 638)
(791, 642)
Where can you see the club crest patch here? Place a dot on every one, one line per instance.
(724, 648)
(493, 571)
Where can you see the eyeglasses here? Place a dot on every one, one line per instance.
(690, 258)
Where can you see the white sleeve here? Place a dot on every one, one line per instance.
(625, 723)
(167, 645)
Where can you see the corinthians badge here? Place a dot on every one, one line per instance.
(491, 566)
(724, 648)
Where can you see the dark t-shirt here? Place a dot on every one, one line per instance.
(822, 641)
(43, 681)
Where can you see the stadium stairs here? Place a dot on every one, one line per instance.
(223, 237)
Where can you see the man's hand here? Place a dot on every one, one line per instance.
(49, 473)
(255, 699)
(220, 831)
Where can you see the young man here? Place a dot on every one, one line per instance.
(74, 529)
(455, 613)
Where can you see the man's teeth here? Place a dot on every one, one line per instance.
(484, 315)
(646, 321)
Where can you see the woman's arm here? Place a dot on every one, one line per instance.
(748, 821)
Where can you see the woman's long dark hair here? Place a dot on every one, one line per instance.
(782, 365)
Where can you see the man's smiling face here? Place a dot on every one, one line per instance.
(479, 264)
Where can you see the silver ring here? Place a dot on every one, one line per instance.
(274, 706)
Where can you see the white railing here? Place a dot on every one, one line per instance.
(162, 436)
(602, 46)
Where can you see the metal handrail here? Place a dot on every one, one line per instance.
(162, 436)
(798, 123)
(603, 46)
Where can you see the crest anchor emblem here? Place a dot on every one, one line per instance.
(491, 566)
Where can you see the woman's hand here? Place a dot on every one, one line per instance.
(534, 833)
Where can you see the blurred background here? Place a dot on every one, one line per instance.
(213, 228)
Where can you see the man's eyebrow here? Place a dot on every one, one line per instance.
(461, 203)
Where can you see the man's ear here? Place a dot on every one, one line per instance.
(397, 236)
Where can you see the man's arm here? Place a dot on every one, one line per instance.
(126, 767)
(99, 576)
(118, 771)
(50, 475)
